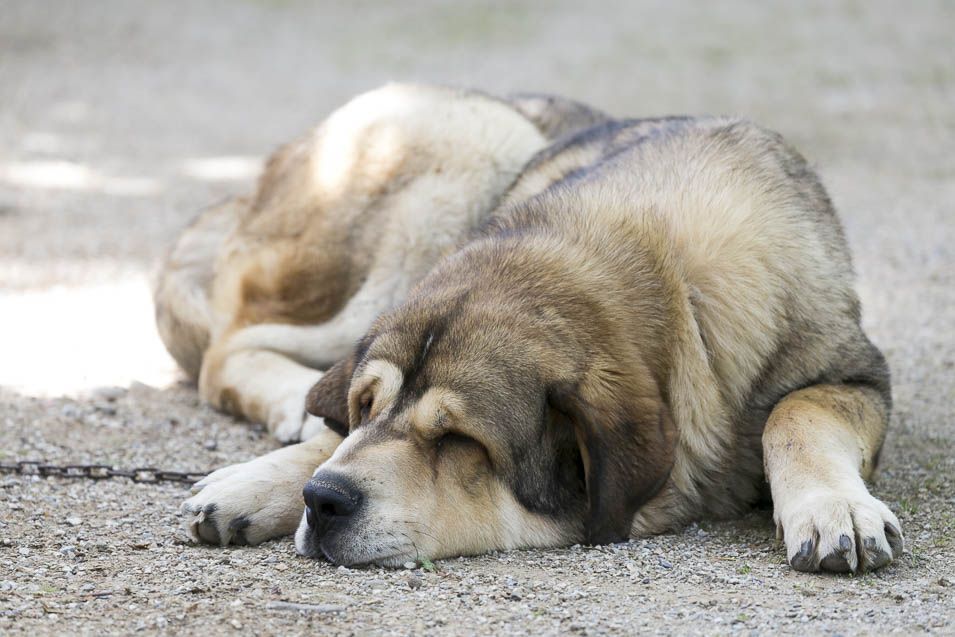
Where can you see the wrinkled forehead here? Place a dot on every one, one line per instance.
(416, 358)
(415, 393)
(463, 341)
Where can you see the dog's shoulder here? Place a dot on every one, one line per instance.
(751, 257)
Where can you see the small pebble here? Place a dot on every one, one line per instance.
(109, 393)
(308, 608)
(71, 411)
(105, 408)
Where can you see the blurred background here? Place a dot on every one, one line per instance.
(119, 120)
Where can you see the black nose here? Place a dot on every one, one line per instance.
(329, 498)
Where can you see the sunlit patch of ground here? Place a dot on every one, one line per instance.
(67, 340)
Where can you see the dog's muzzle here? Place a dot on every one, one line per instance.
(330, 503)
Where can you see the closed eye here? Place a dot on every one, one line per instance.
(456, 446)
(456, 440)
(453, 438)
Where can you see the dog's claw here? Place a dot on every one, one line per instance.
(896, 542)
(874, 556)
(839, 560)
(803, 560)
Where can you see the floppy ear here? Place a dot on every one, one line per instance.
(328, 397)
(627, 449)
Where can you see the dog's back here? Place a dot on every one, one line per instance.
(402, 169)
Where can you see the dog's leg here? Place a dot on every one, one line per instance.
(264, 371)
(321, 346)
(318, 346)
(818, 446)
(263, 386)
(254, 501)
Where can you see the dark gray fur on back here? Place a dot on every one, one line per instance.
(556, 116)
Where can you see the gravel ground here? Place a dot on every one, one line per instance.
(119, 119)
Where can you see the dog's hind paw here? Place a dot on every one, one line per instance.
(289, 423)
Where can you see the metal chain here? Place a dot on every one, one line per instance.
(145, 475)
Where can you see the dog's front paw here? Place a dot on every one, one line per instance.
(828, 530)
(250, 502)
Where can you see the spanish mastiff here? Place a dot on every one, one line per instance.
(654, 320)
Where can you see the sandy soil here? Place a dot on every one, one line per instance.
(119, 119)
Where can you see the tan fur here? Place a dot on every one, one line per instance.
(819, 445)
(183, 309)
(251, 502)
(655, 309)
(344, 221)
(414, 516)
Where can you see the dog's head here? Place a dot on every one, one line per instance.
(474, 426)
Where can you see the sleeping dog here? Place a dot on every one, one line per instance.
(505, 323)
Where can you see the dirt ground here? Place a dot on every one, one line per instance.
(119, 119)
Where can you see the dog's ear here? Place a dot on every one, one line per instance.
(328, 397)
(627, 447)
